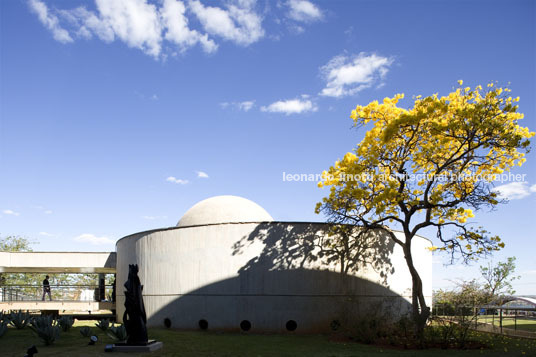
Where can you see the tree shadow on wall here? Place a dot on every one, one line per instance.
(313, 274)
(344, 248)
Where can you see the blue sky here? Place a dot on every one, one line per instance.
(117, 117)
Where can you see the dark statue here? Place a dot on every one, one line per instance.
(134, 318)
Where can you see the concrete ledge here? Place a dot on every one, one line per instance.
(57, 305)
(120, 347)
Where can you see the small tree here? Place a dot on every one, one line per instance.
(17, 244)
(498, 278)
(461, 300)
(428, 166)
(455, 311)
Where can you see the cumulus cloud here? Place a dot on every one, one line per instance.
(151, 26)
(177, 30)
(93, 239)
(202, 174)
(135, 22)
(304, 11)
(238, 23)
(515, 190)
(176, 180)
(10, 212)
(50, 21)
(86, 24)
(347, 75)
(291, 106)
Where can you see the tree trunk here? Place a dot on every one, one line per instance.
(421, 312)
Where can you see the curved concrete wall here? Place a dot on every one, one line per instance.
(266, 273)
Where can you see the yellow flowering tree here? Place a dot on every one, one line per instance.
(429, 166)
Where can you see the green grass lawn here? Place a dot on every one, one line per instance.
(198, 343)
(522, 324)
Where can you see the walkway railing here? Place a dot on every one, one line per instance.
(57, 292)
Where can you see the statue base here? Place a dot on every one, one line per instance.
(150, 346)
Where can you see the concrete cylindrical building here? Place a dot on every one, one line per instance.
(228, 265)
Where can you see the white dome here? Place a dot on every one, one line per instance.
(224, 209)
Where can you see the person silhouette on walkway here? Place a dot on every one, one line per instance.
(46, 289)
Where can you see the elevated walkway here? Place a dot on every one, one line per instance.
(58, 262)
(26, 297)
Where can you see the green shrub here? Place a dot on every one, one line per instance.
(103, 324)
(450, 332)
(65, 323)
(118, 333)
(369, 329)
(46, 328)
(403, 332)
(374, 325)
(19, 319)
(86, 331)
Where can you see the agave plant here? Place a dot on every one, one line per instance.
(85, 331)
(118, 333)
(46, 328)
(65, 323)
(19, 319)
(43, 321)
(3, 328)
(103, 324)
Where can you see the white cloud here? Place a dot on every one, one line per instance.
(10, 212)
(202, 174)
(176, 180)
(86, 24)
(304, 11)
(243, 106)
(246, 105)
(161, 27)
(50, 21)
(47, 211)
(347, 75)
(291, 106)
(46, 234)
(92, 239)
(239, 23)
(135, 22)
(176, 23)
(515, 190)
